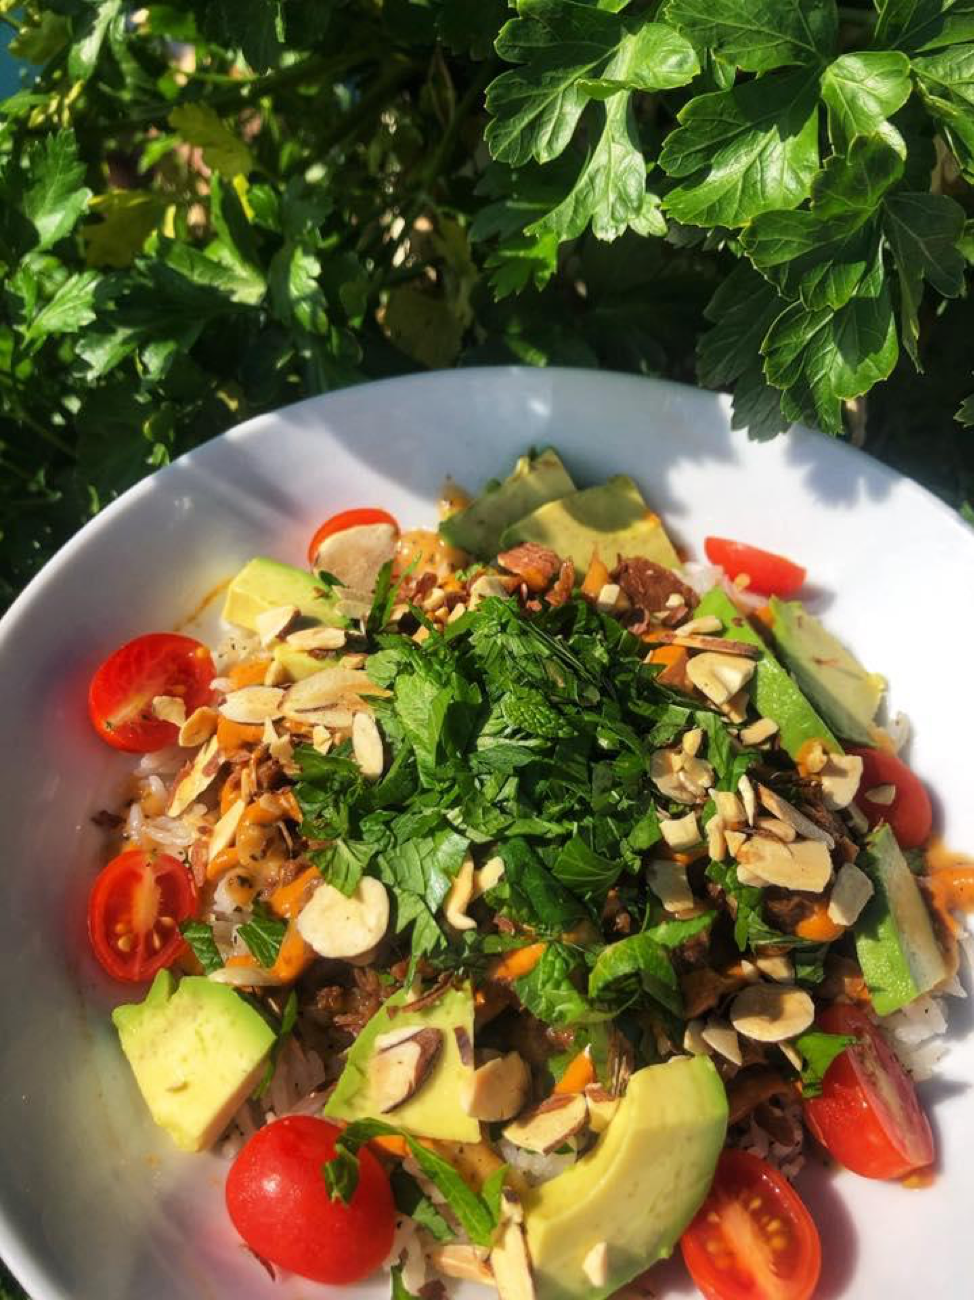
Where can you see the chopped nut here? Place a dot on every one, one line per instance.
(851, 892)
(719, 676)
(276, 674)
(497, 1090)
(511, 1264)
(776, 827)
(225, 831)
(787, 812)
(735, 710)
(367, 746)
(488, 584)
(665, 768)
(792, 1055)
(321, 739)
(281, 749)
(460, 896)
(758, 732)
(345, 926)
(274, 624)
(805, 865)
(251, 705)
(881, 794)
(435, 600)
(748, 799)
(549, 1125)
(608, 598)
(456, 612)
(464, 1262)
(668, 881)
(200, 775)
(722, 1038)
(747, 877)
(729, 807)
(595, 1265)
(716, 843)
(770, 1013)
(734, 840)
(198, 727)
(704, 625)
(169, 708)
(680, 833)
(402, 1063)
(840, 779)
(691, 742)
(488, 876)
(696, 776)
(716, 644)
(779, 968)
(317, 638)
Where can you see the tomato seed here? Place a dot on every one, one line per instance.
(121, 927)
(166, 922)
(778, 1242)
(125, 943)
(156, 940)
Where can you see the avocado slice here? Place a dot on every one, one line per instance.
(895, 941)
(298, 664)
(639, 1186)
(434, 1111)
(264, 584)
(832, 678)
(197, 1052)
(612, 519)
(533, 481)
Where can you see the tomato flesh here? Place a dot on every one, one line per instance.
(134, 910)
(769, 574)
(910, 815)
(278, 1201)
(753, 1238)
(868, 1116)
(122, 690)
(347, 519)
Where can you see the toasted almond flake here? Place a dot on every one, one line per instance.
(456, 612)
(169, 708)
(840, 779)
(719, 676)
(200, 775)
(668, 881)
(321, 739)
(330, 686)
(779, 968)
(225, 831)
(787, 812)
(680, 832)
(697, 776)
(282, 750)
(771, 1013)
(460, 896)
(251, 705)
(691, 742)
(881, 794)
(665, 768)
(608, 598)
(702, 626)
(367, 746)
(718, 645)
(748, 877)
(792, 1055)
(748, 799)
(356, 660)
(851, 892)
(317, 638)
(734, 841)
(758, 732)
(693, 1039)
(488, 584)
(549, 1125)
(488, 876)
(805, 865)
(498, 1089)
(723, 1039)
(595, 1265)
(511, 1264)
(857, 819)
(779, 829)
(274, 624)
(435, 600)
(729, 807)
(276, 674)
(735, 710)
(198, 727)
(716, 843)
(463, 1262)
(353, 605)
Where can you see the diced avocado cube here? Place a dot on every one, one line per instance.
(895, 940)
(434, 1110)
(775, 693)
(197, 1052)
(533, 481)
(832, 678)
(264, 584)
(637, 1189)
(610, 520)
(298, 664)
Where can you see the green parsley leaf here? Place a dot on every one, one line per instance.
(819, 1050)
(762, 35)
(199, 936)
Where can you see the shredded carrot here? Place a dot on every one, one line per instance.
(258, 815)
(674, 660)
(287, 900)
(519, 961)
(240, 959)
(765, 616)
(294, 957)
(249, 672)
(234, 735)
(222, 863)
(819, 927)
(579, 1073)
(668, 655)
(596, 576)
(392, 1146)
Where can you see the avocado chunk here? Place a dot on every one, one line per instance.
(611, 519)
(832, 678)
(434, 1109)
(533, 481)
(264, 584)
(639, 1186)
(298, 664)
(775, 693)
(895, 941)
(197, 1052)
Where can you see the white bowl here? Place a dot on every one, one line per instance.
(95, 1204)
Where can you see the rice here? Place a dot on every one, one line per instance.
(536, 1168)
(163, 762)
(293, 1090)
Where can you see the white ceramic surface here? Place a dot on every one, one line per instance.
(94, 1204)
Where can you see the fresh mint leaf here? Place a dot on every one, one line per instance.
(550, 993)
(410, 1199)
(638, 961)
(584, 871)
(199, 936)
(924, 231)
(263, 934)
(671, 933)
(762, 35)
(862, 90)
(343, 863)
(819, 1050)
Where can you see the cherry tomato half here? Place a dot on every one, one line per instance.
(346, 519)
(278, 1201)
(910, 815)
(122, 690)
(134, 910)
(770, 574)
(868, 1116)
(753, 1238)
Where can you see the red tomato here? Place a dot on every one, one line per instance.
(770, 574)
(347, 519)
(122, 690)
(134, 911)
(910, 814)
(752, 1238)
(868, 1116)
(278, 1200)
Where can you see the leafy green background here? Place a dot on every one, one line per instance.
(211, 208)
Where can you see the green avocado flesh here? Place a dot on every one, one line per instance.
(637, 1189)
(264, 584)
(533, 481)
(832, 678)
(895, 941)
(197, 1052)
(775, 693)
(610, 520)
(434, 1111)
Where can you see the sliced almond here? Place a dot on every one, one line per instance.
(729, 807)
(550, 1125)
(691, 742)
(497, 1090)
(435, 600)
(693, 1039)
(367, 747)
(840, 779)
(225, 831)
(355, 555)
(336, 925)
(697, 776)
(456, 612)
(464, 1262)
(716, 843)
(758, 732)
(399, 1069)
(488, 584)
(735, 710)
(779, 968)
(857, 819)
(274, 624)
(851, 892)
(712, 644)
(881, 794)
(719, 676)
(317, 638)
(668, 881)
(770, 1013)
(665, 768)
(169, 708)
(199, 776)
(464, 1045)
(595, 1265)
(792, 1055)
(328, 687)
(815, 758)
(488, 877)
(602, 1107)
(334, 717)
(198, 727)
(705, 625)
(779, 807)
(460, 896)
(276, 674)
(734, 839)
(805, 865)
(776, 827)
(321, 739)
(748, 798)
(511, 1264)
(680, 833)
(750, 878)
(354, 605)
(722, 1038)
(252, 705)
